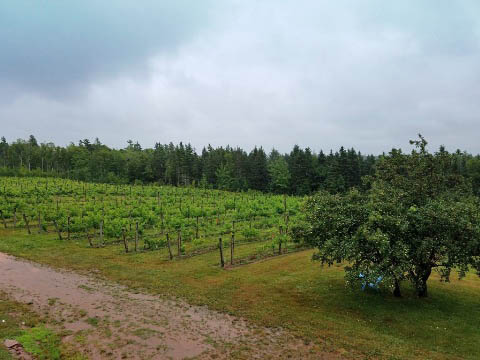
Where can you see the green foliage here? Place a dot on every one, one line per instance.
(250, 234)
(419, 215)
(280, 176)
(100, 215)
(224, 178)
(299, 172)
(154, 243)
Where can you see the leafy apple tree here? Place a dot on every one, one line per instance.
(418, 215)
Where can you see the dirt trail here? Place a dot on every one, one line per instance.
(106, 321)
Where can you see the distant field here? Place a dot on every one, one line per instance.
(289, 290)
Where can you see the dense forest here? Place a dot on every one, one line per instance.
(299, 172)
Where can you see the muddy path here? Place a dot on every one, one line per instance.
(106, 321)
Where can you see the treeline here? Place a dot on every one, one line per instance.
(299, 172)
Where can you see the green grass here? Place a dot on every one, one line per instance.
(13, 317)
(93, 321)
(41, 342)
(289, 291)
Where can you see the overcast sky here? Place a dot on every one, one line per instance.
(369, 74)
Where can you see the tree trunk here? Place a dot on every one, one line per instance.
(422, 288)
(396, 290)
(421, 281)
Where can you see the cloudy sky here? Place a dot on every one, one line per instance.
(369, 74)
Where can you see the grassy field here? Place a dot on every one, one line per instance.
(289, 291)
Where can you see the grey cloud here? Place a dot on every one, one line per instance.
(50, 46)
(368, 74)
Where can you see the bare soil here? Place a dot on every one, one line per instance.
(104, 320)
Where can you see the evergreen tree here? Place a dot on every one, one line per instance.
(279, 175)
(258, 177)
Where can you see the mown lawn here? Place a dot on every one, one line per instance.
(289, 291)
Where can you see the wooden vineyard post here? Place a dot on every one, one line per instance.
(232, 248)
(169, 248)
(161, 217)
(280, 242)
(101, 233)
(14, 218)
(220, 247)
(39, 223)
(136, 236)
(179, 243)
(58, 229)
(89, 237)
(26, 223)
(3, 219)
(125, 241)
(286, 224)
(196, 230)
(286, 233)
(68, 227)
